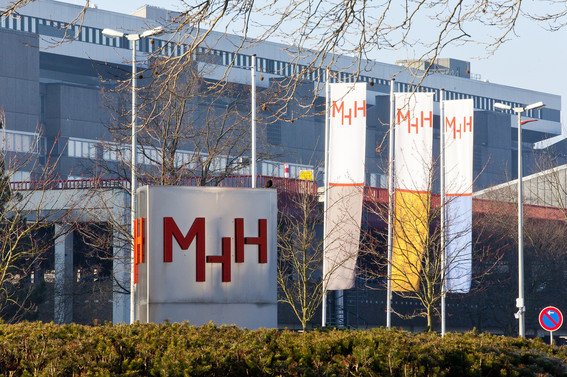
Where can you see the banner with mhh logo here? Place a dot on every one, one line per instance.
(206, 254)
(459, 132)
(413, 171)
(347, 141)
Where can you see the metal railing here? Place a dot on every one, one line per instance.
(284, 184)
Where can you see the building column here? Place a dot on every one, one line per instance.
(340, 309)
(121, 260)
(63, 291)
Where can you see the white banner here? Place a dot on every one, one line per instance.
(414, 141)
(459, 131)
(347, 121)
(347, 141)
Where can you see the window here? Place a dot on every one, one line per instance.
(148, 156)
(184, 159)
(270, 169)
(20, 176)
(218, 164)
(112, 152)
(81, 148)
(19, 141)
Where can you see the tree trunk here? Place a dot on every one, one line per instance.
(429, 319)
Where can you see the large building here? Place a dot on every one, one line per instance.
(55, 70)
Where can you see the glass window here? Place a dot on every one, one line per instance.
(71, 148)
(81, 148)
(21, 142)
(20, 176)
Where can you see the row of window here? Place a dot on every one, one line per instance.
(278, 67)
(81, 148)
(84, 148)
(145, 156)
(481, 103)
(23, 142)
(88, 34)
(212, 56)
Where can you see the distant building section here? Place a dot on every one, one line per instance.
(445, 66)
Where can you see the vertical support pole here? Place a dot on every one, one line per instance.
(326, 197)
(120, 261)
(3, 125)
(520, 300)
(391, 142)
(253, 120)
(340, 308)
(443, 203)
(133, 182)
(551, 338)
(4, 152)
(63, 292)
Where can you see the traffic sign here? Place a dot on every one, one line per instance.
(550, 318)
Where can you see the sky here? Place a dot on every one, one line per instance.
(534, 59)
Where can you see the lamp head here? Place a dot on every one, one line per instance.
(112, 33)
(151, 32)
(501, 106)
(534, 106)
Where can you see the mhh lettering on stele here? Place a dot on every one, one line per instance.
(197, 233)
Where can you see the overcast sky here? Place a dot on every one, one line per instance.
(535, 59)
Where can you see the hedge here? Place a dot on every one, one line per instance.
(39, 349)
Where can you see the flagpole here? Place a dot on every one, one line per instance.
(326, 197)
(442, 191)
(390, 204)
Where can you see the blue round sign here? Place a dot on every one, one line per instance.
(550, 318)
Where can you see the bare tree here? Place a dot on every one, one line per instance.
(190, 130)
(417, 271)
(545, 259)
(300, 255)
(26, 233)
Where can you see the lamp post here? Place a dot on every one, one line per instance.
(134, 38)
(520, 304)
(253, 120)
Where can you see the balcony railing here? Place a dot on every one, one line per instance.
(290, 185)
(284, 184)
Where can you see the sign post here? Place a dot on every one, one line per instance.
(550, 319)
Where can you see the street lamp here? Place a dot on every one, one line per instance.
(133, 38)
(520, 304)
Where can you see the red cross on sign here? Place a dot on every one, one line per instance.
(550, 318)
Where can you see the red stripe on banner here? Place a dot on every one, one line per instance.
(467, 194)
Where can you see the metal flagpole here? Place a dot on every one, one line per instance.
(133, 182)
(443, 203)
(253, 120)
(326, 197)
(390, 204)
(520, 301)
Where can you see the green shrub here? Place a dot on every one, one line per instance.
(38, 349)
